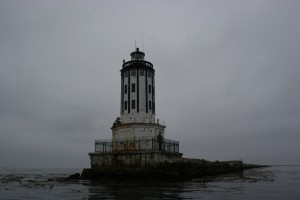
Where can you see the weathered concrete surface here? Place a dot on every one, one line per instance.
(133, 158)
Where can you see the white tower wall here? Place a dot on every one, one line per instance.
(137, 90)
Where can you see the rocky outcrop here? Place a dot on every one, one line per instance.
(185, 169)
(73, 177)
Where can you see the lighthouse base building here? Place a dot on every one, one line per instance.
(137, 139)
(137, 144)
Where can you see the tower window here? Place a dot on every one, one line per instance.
(132, 104)
(150, 105)
(149, 86)
(126, 73)
(149, 74)
(133, 87)
(133, 72)
(125, 89)
(142, 72)
(125, 105)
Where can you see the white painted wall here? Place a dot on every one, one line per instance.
(137, 131)
(141, 116)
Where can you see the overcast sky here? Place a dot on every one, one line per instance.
(227, 77)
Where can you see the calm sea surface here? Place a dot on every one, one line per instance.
(278, 182)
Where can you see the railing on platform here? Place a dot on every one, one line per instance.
(148, 64)
(166, 145)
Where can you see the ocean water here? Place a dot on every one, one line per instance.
(277, 182)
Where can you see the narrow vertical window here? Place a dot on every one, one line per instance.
(125, 105)
(142, 72)
(132, 104)
(149, 74)
(126, 73)
(149, 86)
(133, 87)
(125, 91)
(150, 105)
(133, 72)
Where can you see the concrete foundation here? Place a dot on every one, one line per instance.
(133, 158)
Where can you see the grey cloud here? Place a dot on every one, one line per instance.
(226, 77)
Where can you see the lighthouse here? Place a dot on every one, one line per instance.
(137, 138)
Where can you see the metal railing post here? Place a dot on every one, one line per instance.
(152, 142)
(174, 147)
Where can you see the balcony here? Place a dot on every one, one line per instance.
(135, 144)
(137, 62)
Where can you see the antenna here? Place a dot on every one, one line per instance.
(142, 42)
(135, 50)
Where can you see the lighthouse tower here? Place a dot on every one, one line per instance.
(137, 139)
(137, 111)
(137, 90)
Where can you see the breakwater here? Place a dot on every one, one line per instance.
(185, 169)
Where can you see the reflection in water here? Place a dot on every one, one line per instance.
(136, 190)
(203, 188)
(281, 182)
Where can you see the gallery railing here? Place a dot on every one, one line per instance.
(165, 145)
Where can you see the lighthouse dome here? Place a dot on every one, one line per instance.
(137, 55)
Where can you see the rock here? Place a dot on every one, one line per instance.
(87, 174)
(181, 170)
(74, 177)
